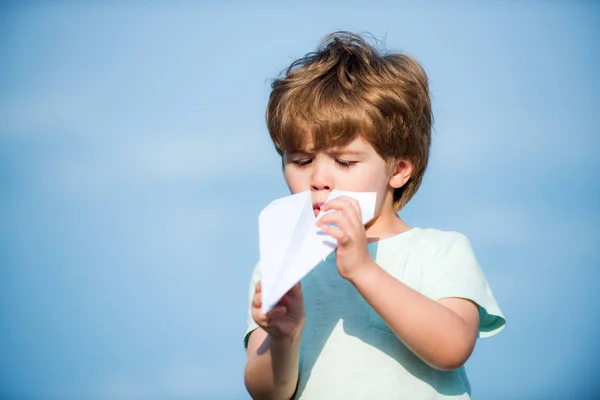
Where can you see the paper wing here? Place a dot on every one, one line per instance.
(277, 223)
(309, 246)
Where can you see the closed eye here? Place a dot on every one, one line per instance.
(344, 164)
(302, 163)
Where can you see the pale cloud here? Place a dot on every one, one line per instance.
(99, 152)
(96, 169)
(70, 110)
(514, 225)
(495, 224)
(197, 156)
(536, 144)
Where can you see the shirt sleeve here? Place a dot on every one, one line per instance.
(250, 324)
(455, 272)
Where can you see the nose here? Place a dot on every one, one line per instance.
(321, 178)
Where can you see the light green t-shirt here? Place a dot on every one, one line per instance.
(347, 350)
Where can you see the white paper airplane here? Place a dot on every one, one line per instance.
(291, 245)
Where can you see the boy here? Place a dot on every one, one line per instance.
(395, 312)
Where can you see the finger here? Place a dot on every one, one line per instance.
(339, 219)
(257, 300)
(345, 204)
(294, 293)
(276, 311)
(356, 208)
(335, 204)
(259, 318)
(337, 233)
(296, 290)
(350, 205)
(258, 287)
(332, 217)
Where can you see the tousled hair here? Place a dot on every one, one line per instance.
(347, 88)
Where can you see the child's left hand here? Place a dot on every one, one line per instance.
(351, 253)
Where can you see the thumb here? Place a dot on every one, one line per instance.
(296, 290)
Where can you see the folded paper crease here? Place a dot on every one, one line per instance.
(291, 244)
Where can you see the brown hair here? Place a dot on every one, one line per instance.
(347, 88)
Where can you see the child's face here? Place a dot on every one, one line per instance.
(356, 167)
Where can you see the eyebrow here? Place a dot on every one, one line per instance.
(346, 152)
(299, 152)
(333, 152)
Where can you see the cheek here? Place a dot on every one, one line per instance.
(294, 180)
(374, 181)
(367, 181)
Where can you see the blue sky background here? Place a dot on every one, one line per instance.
(134, 160)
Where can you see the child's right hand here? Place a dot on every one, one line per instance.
(286, 319)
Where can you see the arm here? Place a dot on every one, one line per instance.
(441, 333)
(273, 348)
(272, 366)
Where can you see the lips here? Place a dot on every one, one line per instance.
(317, 207)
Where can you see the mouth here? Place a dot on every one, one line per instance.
(317, 207)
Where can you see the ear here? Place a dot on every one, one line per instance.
(401, 173)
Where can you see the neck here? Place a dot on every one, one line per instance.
(385, 225)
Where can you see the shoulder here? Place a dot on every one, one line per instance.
(439, 240)
(422, 242)
(421, 249)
